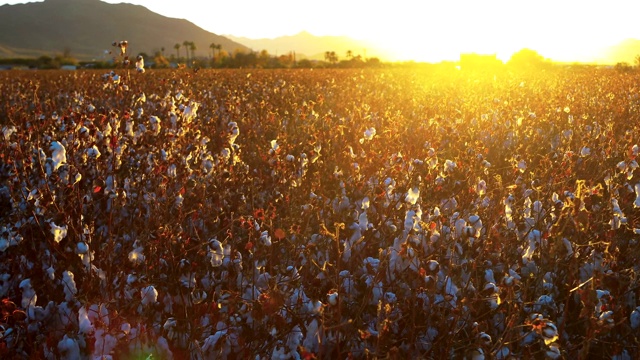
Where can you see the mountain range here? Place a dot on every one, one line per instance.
(85, 29)
(312, 47)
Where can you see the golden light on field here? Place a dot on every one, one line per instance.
(567, 30)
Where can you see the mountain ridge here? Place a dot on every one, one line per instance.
(305, 44)
(87, 28)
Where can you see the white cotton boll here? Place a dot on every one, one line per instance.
(636, 203)
(69, 285)
(622, 165)
(332, 298)
(140, 64)
(412, 196)
(313, 336)
(216, 252)
(149, 295)
(93, 152)
(502, 353)
(634, 318)
(369, 133)
(522, 166)
(390, 298)
(365, 203)
(162, 347)
(59, 232)
(481, 188)
(449, 166)
(409, 220)
(476, 354)
(460, 225)
(314, 307)
(51, 273)
(294, 338)
(265, 239)
(290, 158)
(136, 256)
(104, 345)
(68, 348)
(568, 246)
(606, 319)
(172, 171)
(553, 352)
(585, 151)
(84, 324)
(29, 297)
(8, 131)
(549, 333)
(59, 154)
(82, 247)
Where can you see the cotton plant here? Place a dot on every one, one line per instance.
(140, 64)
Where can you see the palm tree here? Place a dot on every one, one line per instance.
(192, 47)
(219, 47)
(186, 48)
(213, 48)
(177, 47)
(349, 54)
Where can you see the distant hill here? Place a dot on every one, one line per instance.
(86, 28)
(313, 47)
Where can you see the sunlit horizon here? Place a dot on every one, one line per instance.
(567, 31)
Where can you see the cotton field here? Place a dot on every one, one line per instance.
(328, 214)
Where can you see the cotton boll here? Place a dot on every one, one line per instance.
(216, 252)
(68, 348)
(332, 298)
(84, 324)
(481, 188)
(636, 203)
(553, 352)
(59, 154)
(149, 295)
(313, 336)
(69, 285)
(522, 166)
(136, 256)
(59, 232)
(412, 196)
(634, 318)
(93, 152)
(502, 353)
(162, 347)
(265, 239)
(449, 166)
(549, 332)
(140, 64)
(369, 133)
(29, 296)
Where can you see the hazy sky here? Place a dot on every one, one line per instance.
(565, 30)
